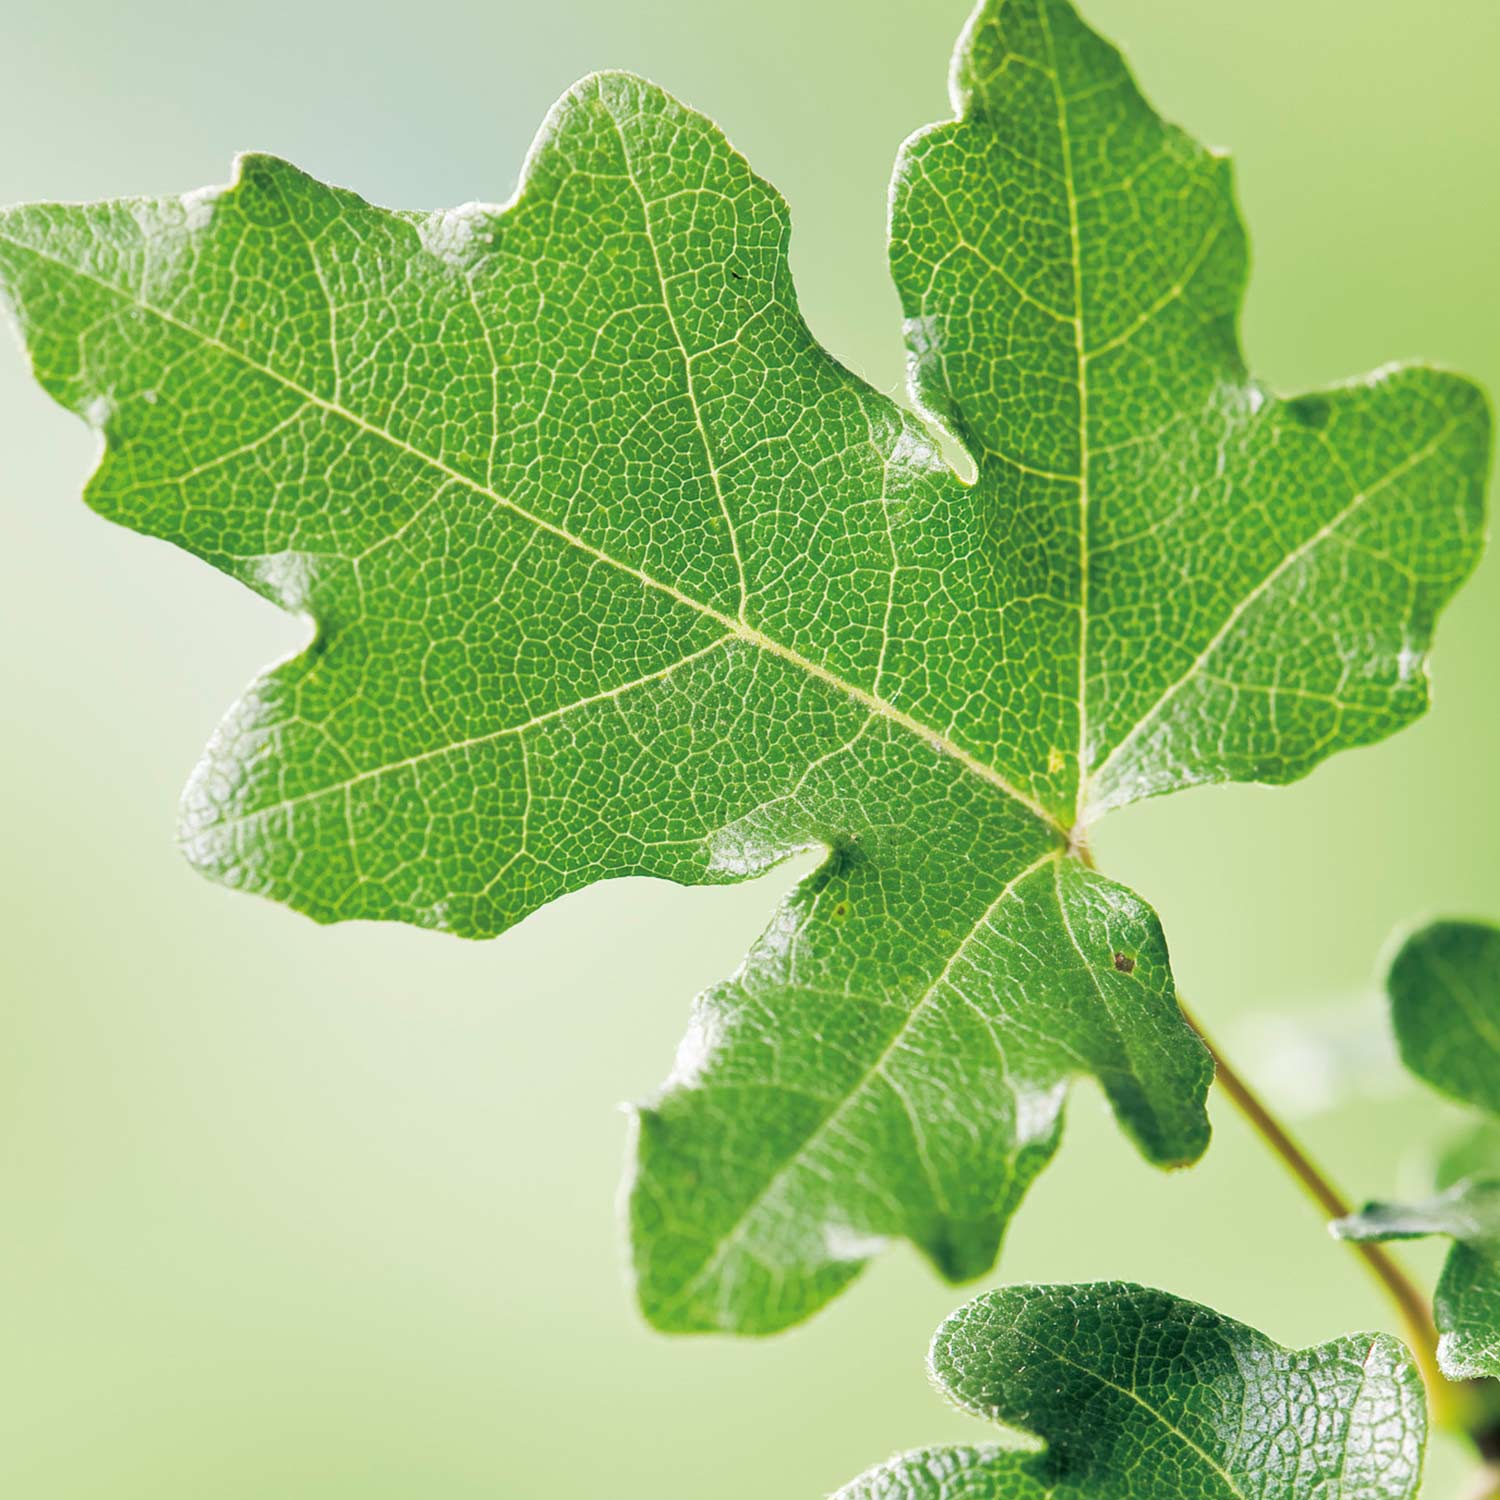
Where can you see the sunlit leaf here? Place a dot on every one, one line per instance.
(612, 570)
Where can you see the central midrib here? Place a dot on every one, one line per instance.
(881, 707)
(1081, 379)
(804, 1148)
(1212, 1463)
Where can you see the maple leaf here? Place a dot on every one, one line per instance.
(614, 571)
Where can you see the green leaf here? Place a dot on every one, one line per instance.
(1444, 989)
(1136, 1393)
(1466, 1305)
(1468, 1210)
(613, 571)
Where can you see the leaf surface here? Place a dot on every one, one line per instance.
(1139, 1394)
(1444, 989)
(614, 571)
(1466, 1304)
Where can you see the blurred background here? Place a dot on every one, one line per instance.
(331, 1213)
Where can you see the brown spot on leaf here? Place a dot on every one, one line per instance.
(1310, 411)
(1124, 963)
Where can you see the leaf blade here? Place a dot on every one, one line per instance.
(1444, 990)
(1127, 1386)
(1466, 1303)
(935, 1126)
(1127, 339)
(615, 571)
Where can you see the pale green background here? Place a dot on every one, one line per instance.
(290, 1212)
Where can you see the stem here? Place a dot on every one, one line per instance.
(1394, 1282)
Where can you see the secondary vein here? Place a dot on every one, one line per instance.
(732, 624)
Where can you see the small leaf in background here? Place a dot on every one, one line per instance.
(614, 571)
(1466, 1304)
(1134, 1392)
(1468, 1210)
(1444, 989)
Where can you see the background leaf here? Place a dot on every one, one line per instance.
(1444, 988)
(616, 572)
(1137, 1393)
(1466, 1304)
